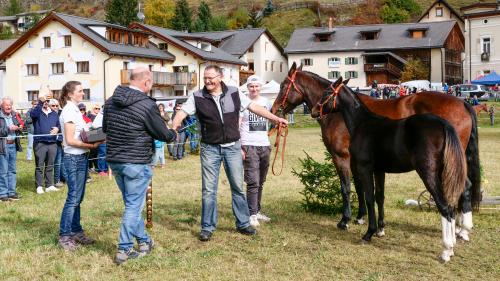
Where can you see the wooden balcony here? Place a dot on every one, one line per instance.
(383, 67)
(165, 78)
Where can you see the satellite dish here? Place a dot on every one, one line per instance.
(141, 16)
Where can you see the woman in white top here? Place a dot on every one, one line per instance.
(255, 149)
(76, 165)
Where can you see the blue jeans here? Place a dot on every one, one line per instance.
(8, 171)
(102, 166)
(59, 172)
(132, 180)
(211, 158)
(76, 170)
(159, 156)
(29, 150)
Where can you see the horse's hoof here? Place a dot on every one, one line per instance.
(360, 221)
(380, 233)
(463, 235)
(367, 237)
(342, 225)
(446, 255)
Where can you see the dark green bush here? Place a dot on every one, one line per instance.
(321, 182)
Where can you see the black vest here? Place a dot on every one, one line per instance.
(213, 129)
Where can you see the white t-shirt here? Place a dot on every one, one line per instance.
(253, 129)
(71, 114)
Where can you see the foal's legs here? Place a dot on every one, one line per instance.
(379, 197)
(465, 218)
(363, 177)
(344, 172)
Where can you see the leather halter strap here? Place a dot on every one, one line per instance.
(334, 94)
(289, 87)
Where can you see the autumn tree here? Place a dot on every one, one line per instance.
(414, 70)
(218, 23)
(367, 13)
(395, 11)
(238, 19)
(13, 8)
(121, 12)
(159, 12)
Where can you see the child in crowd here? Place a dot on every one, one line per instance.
(159, 153)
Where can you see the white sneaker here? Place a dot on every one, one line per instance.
(51, 188)
(254, 221)
(262, 217)
(39, 190)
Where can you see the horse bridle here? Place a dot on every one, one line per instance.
(289, 87)
(334, 94)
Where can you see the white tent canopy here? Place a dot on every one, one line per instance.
(269, 90)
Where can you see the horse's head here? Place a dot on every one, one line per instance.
(328, 103)
(290, 96)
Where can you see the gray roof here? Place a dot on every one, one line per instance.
(236, 42)
(4, 44)
(8, 18)
(391, 36)
(81, 24)
(215, 54)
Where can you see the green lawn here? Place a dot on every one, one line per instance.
(294, 246)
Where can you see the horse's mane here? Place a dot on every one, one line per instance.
(317, 77)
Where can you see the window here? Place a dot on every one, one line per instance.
(272, 66)
(351, 74)
(150, 67)
(334, 62)
(307, 62)
(265, 47)
(163, 46)
(32, 95)
(351, 60)
(265, 66)
(82, 67)
(251, 49)
(56, 94)
(281, 66)
(32, 69)
(486, 45)
(369, 34)
(251, 66)
(58, 68)
(439, 12)
(333, 74)
(46, 42)
(417, 34)
(67, 40)
(125, 65)
(86, 94)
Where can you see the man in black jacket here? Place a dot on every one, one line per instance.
(131, 122)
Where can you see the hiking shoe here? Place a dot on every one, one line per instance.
(247, 230)
(124, 255)
(39, 190)
(59, 184)
(146, 247)
(14, 197)
(262, 217)
(5, 199)
(254, 221)
(205, 236)
(51, 189)
(81, 238)
(67, 243)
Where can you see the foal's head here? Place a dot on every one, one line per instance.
(328, 102)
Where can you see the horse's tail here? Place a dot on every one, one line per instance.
(473, 166)
(454, 167)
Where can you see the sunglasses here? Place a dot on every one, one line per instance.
(54, 105)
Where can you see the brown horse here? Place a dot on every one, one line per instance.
(480, 107)
(302, 86)
(422, 142)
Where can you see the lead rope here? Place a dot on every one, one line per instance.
(282, 131)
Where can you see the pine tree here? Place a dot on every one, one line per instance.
(182, 18)
(13, 8)
(121, 12)
(254, 19)
(204, 18)
(269, 9)
(159, 12)
(218, 23)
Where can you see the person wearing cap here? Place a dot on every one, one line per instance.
(83, 111)
(255, 149)
(218, 108)
(46, 127)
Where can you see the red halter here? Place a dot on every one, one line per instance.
(292, 83)
(334, 94)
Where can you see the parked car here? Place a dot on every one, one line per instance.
(472, 89)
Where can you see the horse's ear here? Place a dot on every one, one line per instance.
(292, 68)
(346, 81)
(338, 82)
(300, 67)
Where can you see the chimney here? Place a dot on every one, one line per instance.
(330, 22)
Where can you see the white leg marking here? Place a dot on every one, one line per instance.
(380, 232)
(447, 231)
(360, 221)
(453, 236)
(467, 225)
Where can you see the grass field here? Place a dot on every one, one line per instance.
(294, 246)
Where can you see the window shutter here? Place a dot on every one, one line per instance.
(346, 60)
(355, 60)
(355, 74)
(330, 75)
(346, 76)
(311, 60)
